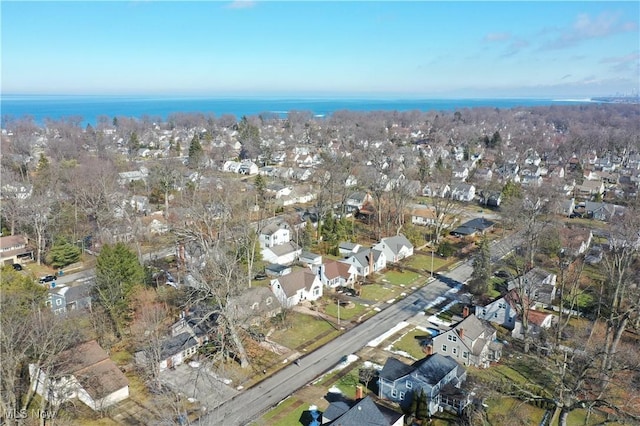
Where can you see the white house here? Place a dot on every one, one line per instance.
(336, 274)
(275, 234)
(463, 192)
(298, 286)
(84, 372)
(367, 261)
(395, 248)
(424, 216)
(436, 190)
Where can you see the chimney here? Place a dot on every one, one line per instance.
(371, 261)
(465, 312)
(428, 350)
(359, 393)
(461, 333)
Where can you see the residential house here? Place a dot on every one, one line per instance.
(602, 211)
(483, 174)
(537, 284)
(471, 227)
(63, 299)
(275, 233)
(248, 168)
(231, 166)
(364, 412)
(536, 321)
(589, 188)
(575, 241)
(177, 349)
(347, 248)
(461, 173)
(463, 192)
(253, 306)
(282, 254)
(14, 249)
(501, 311)
(310, 259)
(395, 248)
(472, 341)
(84, 372)
(425, 216)
(356, 200)
(277, 190)
(491, 198)
(531, 180)
(334, 274)
(133, 176)
(296, 287)
(436, 375)
(367, 261)
(566, 207)
(435, 189)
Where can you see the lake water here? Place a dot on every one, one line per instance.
(89, 108)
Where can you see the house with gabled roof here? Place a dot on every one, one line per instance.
(15, 249)
(438, 376)
(254, 305)
(296, 287)
(395, 248)
(463, 192)
(367, 261)
(334, 274)
(84, 372)
(425, 216)
(63, 299)
(537, 284)
(364, 412)
(471, 341)
(435, 189)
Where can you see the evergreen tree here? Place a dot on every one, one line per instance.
(511, 190)
(63, 253)
(43, 162)
(260, 190)
(479, 282)
(196, 153)
(422, 410)
(118, 273)
(134, 143)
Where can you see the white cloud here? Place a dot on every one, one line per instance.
(585, 28)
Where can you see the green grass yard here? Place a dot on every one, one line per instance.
(409, 344)
(304, 330)
(380, 292)
(401, 278)
(422, 261)
(346, 313)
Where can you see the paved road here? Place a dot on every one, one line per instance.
(251, 403)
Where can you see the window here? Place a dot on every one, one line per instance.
(254, 306)
(394, 393)
(401, 396)
(454, 350)
(409, 385)
(465, 354)
(268, 301)
(444, 348)
(495, 315)
(452, 338)
(502, 305)
(484, 312)
(58, 302)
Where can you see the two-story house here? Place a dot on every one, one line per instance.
(438, 376)
(395, 248)
(14, 249)
(63, 299)
(472, 341)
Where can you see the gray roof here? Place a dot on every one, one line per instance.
(177, 344)
(295, 281)
(367, 412)
(434, 368)
(396, 243)
(394, 369)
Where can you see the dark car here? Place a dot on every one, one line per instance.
(502, 274)
(17, 267)
(47, 279)
(260, 276)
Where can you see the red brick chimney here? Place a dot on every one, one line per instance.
(359, 393)
(461, 333)
(465, 312)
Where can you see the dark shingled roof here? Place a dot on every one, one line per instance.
(367, 412)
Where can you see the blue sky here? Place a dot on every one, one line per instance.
(332, 48)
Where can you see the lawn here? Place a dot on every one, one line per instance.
(380, 292)
(304, 329)
(401, 278)
(354, 310)
(288, 413)
(510, 411)
(409, 344)
(421, 261)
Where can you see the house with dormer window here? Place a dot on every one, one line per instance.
(472, 341)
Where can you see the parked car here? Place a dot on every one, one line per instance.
(47, 279)
(260, 276)
(502, 274)
(17, 267)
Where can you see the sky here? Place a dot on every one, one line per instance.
(390, 49)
